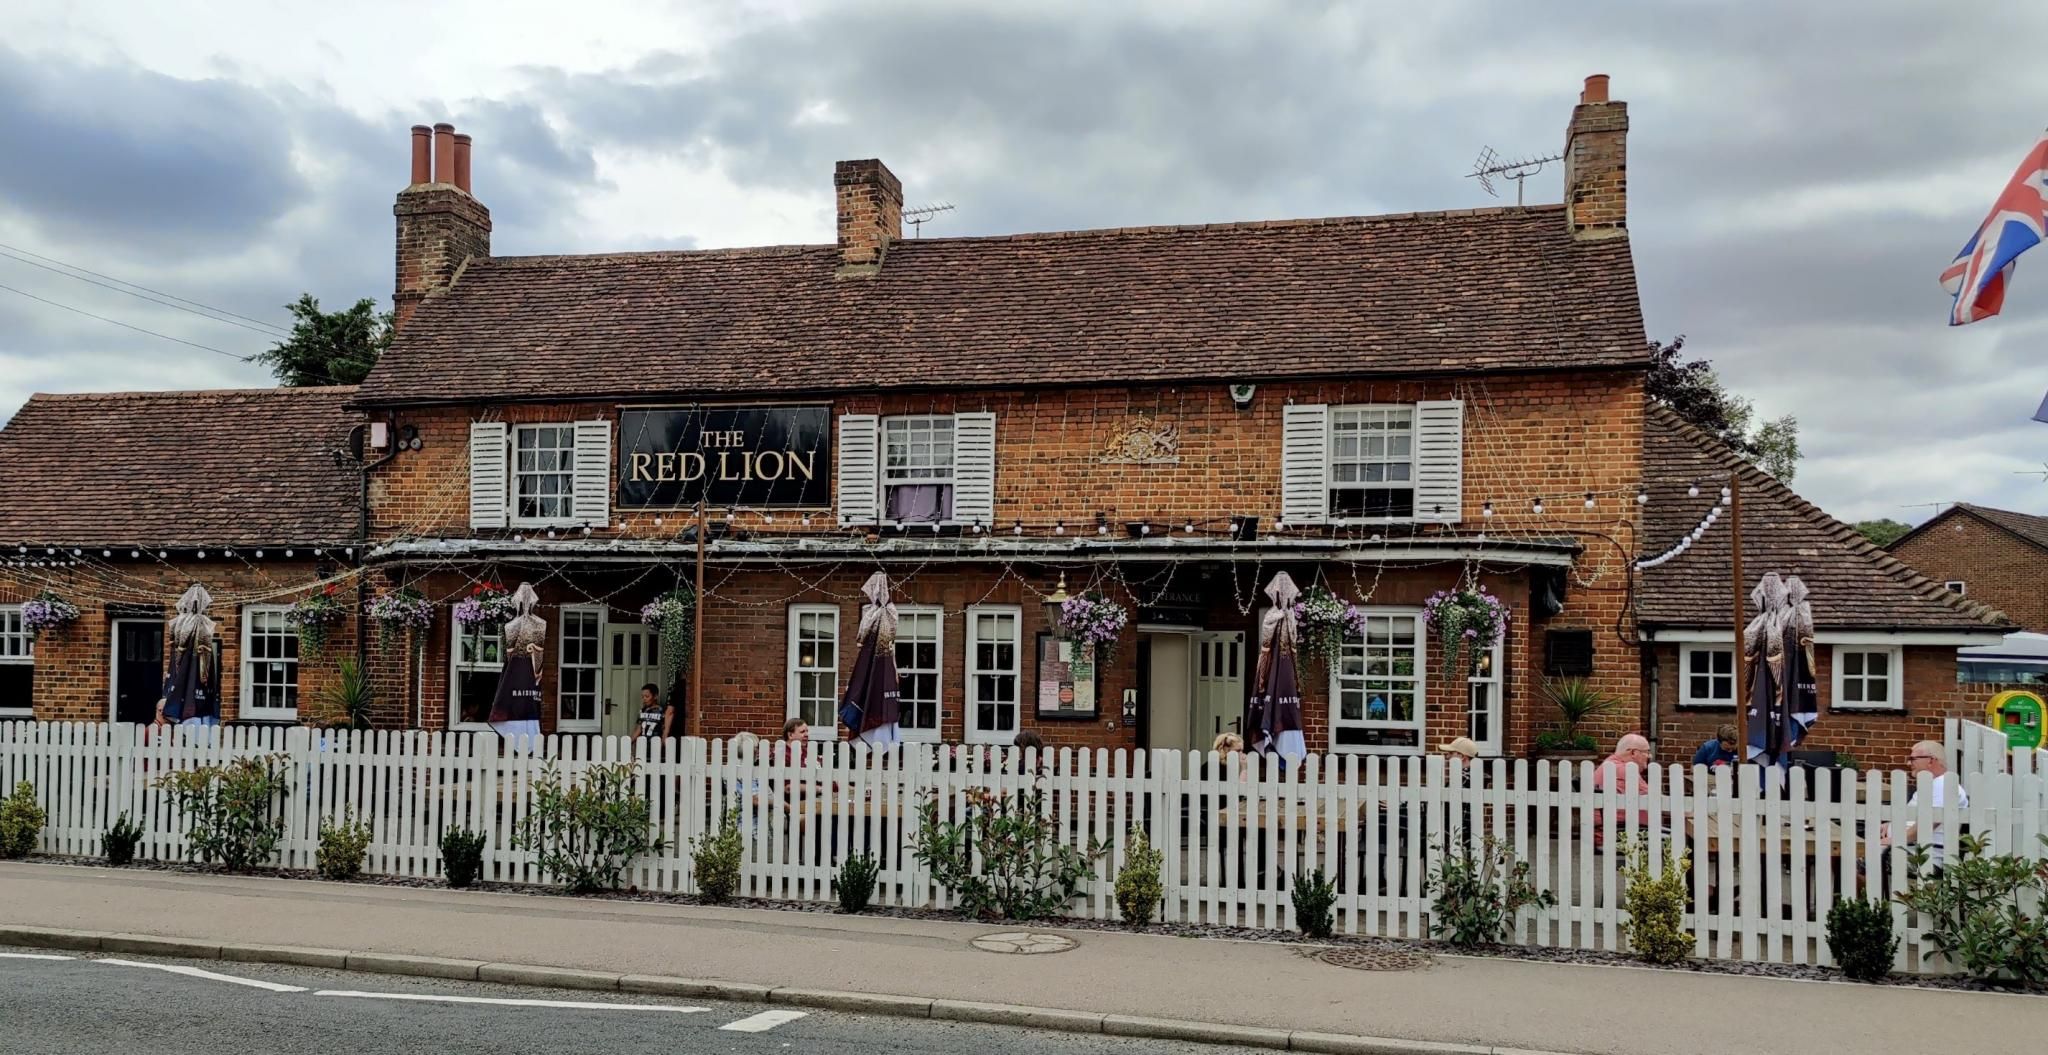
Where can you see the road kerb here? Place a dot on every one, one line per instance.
(1017, 1015)
(695, 988)
(554, 977)
(1350, 1044)
(868, 1003)
(1204, 1032)
(50, 938)
(418, 966)
(154, 945)
(296, 956)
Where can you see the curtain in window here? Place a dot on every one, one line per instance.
(920, 503)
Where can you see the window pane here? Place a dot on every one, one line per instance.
(1852, 664)
(1878, 664)
(1877, 690)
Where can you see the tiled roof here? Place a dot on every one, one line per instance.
(1453, 292)
(194, 469)
(2030, 528)
(1854, 584)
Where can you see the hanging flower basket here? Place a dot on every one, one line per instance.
(316, 617)
(1465, 620)
(1325, 621)
(673, 617)
(488, 607)
(1094, 622)
(399, 612)
(46, 612)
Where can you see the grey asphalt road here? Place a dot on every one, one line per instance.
(76, 1005)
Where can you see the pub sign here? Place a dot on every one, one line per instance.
(725, 456)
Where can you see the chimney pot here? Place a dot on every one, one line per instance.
(444, 153)
(1596, 89)
(422, 154)
(462, 162)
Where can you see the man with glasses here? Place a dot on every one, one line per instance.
(1926, 757)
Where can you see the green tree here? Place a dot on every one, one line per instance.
(329, 347)
(1692, 389)
(1881, 532)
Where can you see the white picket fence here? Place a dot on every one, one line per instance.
(1770, 850)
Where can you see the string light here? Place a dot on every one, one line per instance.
(1642, 496)
(1486, 508)
(1019, 529)
(1589, 500)
(1536, 507)
(1693, 490)
(1060, 528)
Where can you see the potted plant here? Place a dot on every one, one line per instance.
(673, 616)
(1575, 701)
(1466, 619)
(46, 611)
(1325, 621)
(316, 617)
(399, 612)
(1093, 621)
(488, 606)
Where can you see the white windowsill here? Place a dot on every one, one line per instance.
(17, 712)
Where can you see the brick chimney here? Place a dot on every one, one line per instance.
(1596, 164)
(441, 226)
(870, 214)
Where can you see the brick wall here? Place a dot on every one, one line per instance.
(72, 679)
(1996, 567)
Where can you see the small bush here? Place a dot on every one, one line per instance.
(1477, 897)
(1860, 938)
(1314, 898)
(119, 842)
(342, 847)
(462, 856)
(21, 821)
(856, 882)
(585, 834)
(1987, 915)
(1655, 904)
(1139, 890)
(1005, 860)
(717, 857)
(231, 811)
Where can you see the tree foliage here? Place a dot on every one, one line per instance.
(1692, 389)
(329, 347)
(1881, 532)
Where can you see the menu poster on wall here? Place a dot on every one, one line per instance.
(1066, 679)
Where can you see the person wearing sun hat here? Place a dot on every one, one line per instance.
(1463, 745)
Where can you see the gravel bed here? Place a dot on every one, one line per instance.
(1214, 932)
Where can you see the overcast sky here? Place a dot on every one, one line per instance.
(1797, 181)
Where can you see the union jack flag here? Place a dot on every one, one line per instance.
(2018, 222)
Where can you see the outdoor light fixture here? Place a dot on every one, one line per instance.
(1589, 500)
(1019, 529)
(1693, 490)
(1053, 603)
(1536, 507)
(1060, 528)
(1486, 508)
(1642, 496)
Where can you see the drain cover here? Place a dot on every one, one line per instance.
(1374, 959)
(1027, 943)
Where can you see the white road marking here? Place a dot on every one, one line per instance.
(194, 972)
(32, 956)
(573, 1005)
(764, 1021)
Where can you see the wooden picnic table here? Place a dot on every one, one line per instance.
(1705, 831)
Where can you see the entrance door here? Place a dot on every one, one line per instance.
(1219, 686)
(1170, 692)
(632, 659)
(138, 669)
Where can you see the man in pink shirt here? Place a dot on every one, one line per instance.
(1631, 750)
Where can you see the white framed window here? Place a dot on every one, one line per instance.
(579, 674)
(917, 469)
(920, 648)
(1957, 587)
(995, 672)
(1372, 462)
(1706, 676)
(1377, 687)
(1484, 715)
(17, 665)
(270, 664)
(544, 474)
(475, 661)
(814, 668)
(1869, 677)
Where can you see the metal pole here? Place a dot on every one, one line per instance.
(1741, 681)
(696, 702)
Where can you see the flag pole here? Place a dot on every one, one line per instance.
(697, 634)
(1735, 551)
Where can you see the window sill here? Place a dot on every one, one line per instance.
(1705, 705)
(1344, 749)
(17, 712)
(1853, 709)
(564, 522)
(264, 719)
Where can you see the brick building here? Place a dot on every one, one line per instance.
(117, 502)
(1885, 635)
(1995, 556)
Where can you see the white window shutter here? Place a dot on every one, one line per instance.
(1305, 463)
(487, 477)
(860, 465)
(593, 499)
(974, 468)
(1439, 460)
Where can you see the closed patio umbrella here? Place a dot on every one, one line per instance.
(515, 711)
(872, 705)
(1276, 693)
(192, 692)
(1778, 646)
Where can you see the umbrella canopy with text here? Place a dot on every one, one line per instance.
(872, 705)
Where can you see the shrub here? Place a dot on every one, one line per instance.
(21, 821)
(231, 811)
(1655, 904)
(1139, 890)
(1005, 859)
(856, 882)
(1861, 940)
(1984, 914)
(351, 696)
(1314, 897)
(462, 856)
(1476, 897)
(585, 834)
(119, 841)
(342, 847)
(717, 857)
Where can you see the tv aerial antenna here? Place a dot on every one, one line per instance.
(916, 218)
(1490, 165)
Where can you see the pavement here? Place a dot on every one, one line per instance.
(138, 1003)
(1108, 982)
